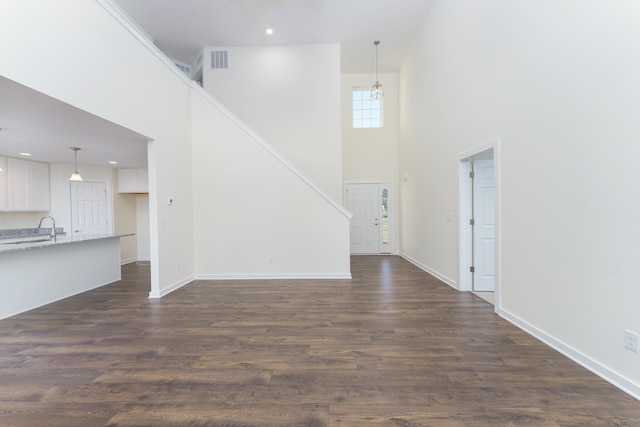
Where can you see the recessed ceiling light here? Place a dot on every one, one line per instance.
(25, 154)
(269, 31)
(113, 163)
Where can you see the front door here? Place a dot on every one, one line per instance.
(483, 228)
(89, 214)
(369, 230)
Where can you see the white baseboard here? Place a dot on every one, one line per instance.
(178, 285)
(132, 260)
(175, 286)
(299, 276)
(432, 272)
(600, 370)
(595, 367)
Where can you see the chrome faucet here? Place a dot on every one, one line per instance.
(52, 236)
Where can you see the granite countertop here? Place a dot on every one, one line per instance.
(28, 232)
(8, 244)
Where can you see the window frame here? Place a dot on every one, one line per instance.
(375, 122)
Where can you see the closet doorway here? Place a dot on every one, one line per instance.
(479, 221)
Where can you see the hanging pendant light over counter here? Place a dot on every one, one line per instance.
(376, 90)
(75, 176)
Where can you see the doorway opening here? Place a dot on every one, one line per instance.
(370, 227)
(479, 221)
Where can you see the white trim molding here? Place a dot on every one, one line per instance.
(432, 272)
(299, 276)
(249, 277)
(270, 149)
(581, 359)
(130, 25)
(128, 261)
(162, 292)
(464, 214)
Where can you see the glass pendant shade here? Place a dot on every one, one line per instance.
(376, 90)
(75, 176)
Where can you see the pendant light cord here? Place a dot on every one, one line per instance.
(376, 43)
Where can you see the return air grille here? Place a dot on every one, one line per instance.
(219, 59)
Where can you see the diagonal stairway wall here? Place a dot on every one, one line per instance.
(256, 215)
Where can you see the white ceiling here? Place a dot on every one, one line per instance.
(35, 123)
(182, 28)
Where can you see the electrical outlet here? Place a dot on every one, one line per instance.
(631, 340)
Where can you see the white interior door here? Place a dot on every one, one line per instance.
(362, 202)
(483, 229)
(370, 225)
(89, 213)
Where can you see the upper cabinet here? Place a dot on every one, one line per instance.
(27, 184)
(133, 181)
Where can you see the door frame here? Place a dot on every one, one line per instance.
(390, 209)
(465, 282)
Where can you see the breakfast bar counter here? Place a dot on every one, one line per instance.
(41, 271)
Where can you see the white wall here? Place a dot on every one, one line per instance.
(9, 220)
(143, 247)
(290, 95)
(93, 63)
(557, 81)
(125, 222)
(254, 217)
(121, 78)
(371, 155)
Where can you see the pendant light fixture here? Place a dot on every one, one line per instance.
(376, 90)
(75, 176)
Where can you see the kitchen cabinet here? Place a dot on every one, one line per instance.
(27, 186)
(133, 181)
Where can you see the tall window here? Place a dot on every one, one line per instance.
(367, 112)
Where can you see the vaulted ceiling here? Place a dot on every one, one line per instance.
(181, 29)
(46, 128)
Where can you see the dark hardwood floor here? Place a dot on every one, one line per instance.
(392, 347)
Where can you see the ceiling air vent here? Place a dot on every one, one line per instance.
(219, 59)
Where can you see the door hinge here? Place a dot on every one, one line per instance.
(472, 174)
(472, 269)
(472, 222)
